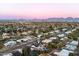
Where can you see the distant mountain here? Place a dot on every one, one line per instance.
(68, 19)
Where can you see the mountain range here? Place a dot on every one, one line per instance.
(68, 19)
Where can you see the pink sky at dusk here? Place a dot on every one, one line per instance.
(39, 10)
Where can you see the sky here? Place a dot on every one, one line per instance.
(38, 10)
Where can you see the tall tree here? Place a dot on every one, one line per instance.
(26, 51)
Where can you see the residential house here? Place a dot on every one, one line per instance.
(68, 32)
(64, 29)
(24, 33)
(39, 35)
(57, 31)
(64, 38)
(10, 43)
(51, 32)
(63, 52)
(52, 38)
(5, 35)
(74, 29)
(72, 45)
(39, 48)
(46, 41)
(61, 35)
